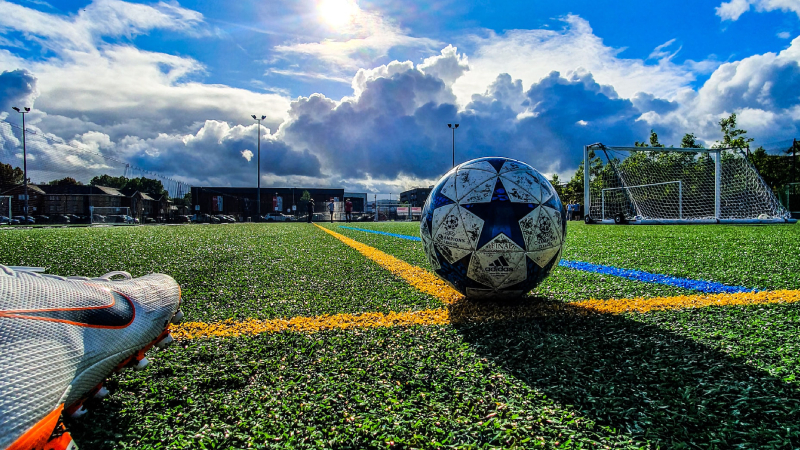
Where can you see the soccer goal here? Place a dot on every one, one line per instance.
(647, 185)
(111, 215)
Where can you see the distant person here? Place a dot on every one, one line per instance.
(569, 211)
(577, 210)
(331, 206)
(310, 206)
(348, 210)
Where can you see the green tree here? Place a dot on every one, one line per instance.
(573, 191)
(732, 137)
(109, 181)
(147, 185)
(690, 141)
(653, 141)
(186, 200)
(66, 181)
(10, 175)
(304, 199)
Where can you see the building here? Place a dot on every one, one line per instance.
(242, 201)
(79, 200)
(359, 201)
(416, 196)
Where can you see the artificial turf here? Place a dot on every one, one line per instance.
(717, 377)
(262, 271)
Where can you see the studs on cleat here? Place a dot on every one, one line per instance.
(140, 364)
(178, 317)
(78, 413)
(163, 343)
(101, 393)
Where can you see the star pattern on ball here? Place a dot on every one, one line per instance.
(501, 215)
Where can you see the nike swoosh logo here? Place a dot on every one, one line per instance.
(119, 314)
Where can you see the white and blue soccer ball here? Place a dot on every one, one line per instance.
(493, 228)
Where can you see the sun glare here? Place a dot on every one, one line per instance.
(337, 13)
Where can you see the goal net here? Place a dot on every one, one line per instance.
(111, 215)
(676, 185)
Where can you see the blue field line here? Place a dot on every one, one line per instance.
(709, 287)
(401, 236)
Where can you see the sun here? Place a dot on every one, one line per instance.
(337, 13)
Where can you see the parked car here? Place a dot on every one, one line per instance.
(60, 218)
(204, 218)
(275, 217)
(42, 219)
(183, 219)
(224, 218)
(74, 218)
(6, 220)
(30, 220)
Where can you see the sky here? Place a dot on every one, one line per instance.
(358, 94)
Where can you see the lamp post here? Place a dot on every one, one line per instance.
(258, 191)
(24, 111)
(453, 126)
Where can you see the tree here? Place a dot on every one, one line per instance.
(186, 200)
(690, 141)
(304, 199)
(653, 141)
(10, 175)
(556, 182)
(147, 185)
(141, 184)
(66, 181)
(109, 181)
(573, 191)
(732, 137)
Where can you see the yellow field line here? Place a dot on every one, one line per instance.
(415, 276)
(460, 310)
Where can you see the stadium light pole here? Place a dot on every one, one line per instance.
(450, 125)
(258, 189)
(24, 111)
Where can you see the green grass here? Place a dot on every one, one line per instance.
(723, 377)
(231, 271)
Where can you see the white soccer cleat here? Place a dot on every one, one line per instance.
(164, 343)
(101, 393)
(61, 337)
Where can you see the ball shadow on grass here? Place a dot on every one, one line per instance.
(637, 378)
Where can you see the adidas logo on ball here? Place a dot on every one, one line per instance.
(499, 265)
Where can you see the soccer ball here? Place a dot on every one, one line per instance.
(493, 228)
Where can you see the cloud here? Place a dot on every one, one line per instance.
(530, 55)
(395, 128)
(101, 18)
(117, 88)
(247, 154)
(17, 88)
(733, 9)
(784, 35)
(367, 38)
(448, 66)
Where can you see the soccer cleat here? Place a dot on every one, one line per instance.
(61, 337)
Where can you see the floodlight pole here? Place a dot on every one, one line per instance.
(453, 126)
(24, 111)
(258, 190)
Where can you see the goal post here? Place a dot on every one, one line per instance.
(668, 185)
